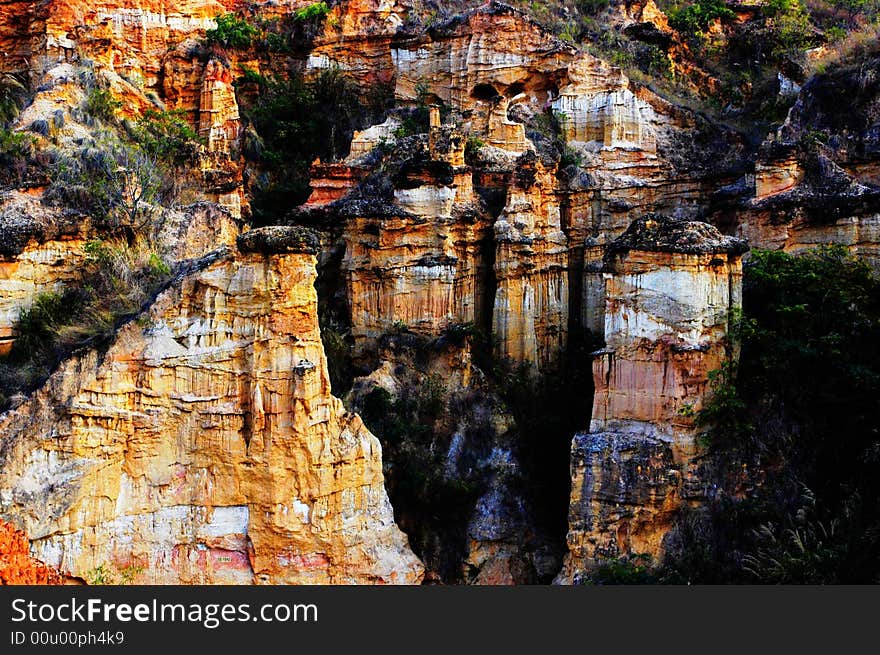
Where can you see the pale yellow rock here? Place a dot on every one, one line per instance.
(205, 445)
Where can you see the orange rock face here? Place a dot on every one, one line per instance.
(212, 417)
(17, 567)
(498, 68)
(418, 261)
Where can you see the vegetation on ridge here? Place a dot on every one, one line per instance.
(296, 121)
(117, 279)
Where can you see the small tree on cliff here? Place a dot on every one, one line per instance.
(121, 185)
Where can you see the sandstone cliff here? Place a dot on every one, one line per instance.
(16, 564)
(204, 446)
(670, 291)
(500, 213)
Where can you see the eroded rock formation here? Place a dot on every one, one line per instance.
(816, 178)
(204, 446)
(670, 289)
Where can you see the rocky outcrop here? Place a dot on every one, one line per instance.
(670, 288)
(815, 178)
(42, 248)
(17, 567)
(357, 37)
(497, 240)
(531, 308)
(219, 120)
(204, 446)
(507, 215)
(40, 251)
(414, 257)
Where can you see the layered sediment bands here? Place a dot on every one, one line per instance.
(633, 153)
(601, 108)
(416, 259)
(426, 281)
(530, 315)
(669, 290)
(204, 445)
(218, 109)
(128, 36)
(40, 251)
(207, 419)
(488, 51)
(859, 232)
(815, 178)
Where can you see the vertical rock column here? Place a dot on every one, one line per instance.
(669, 289)
(530, 313)
(219, 124)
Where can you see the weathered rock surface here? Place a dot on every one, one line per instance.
(214, 420)
(670, 288)
(204, 445)
(816, 179)
(42, 248)
(497, 238)
(16, 564)
(40, 251)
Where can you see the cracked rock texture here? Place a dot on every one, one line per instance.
(670, 287)
(204, 445)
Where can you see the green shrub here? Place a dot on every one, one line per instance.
(38, 326)
(591, 7)
(415, 121)
(167, 135)
(694, 19)
(338, 343)
(798, 549)
(776, 7)
(570, 157)
(414, 448)
(19, 157)
(632, 570)
(791, 32)
(108, 575)
(297, 121)
(459, 333)
(473, 146)
(101, 104)
(316, 10)
(232, 32)
(15, 145)
(653, 61)
(117, 280)
(276, 42)
(799, 412)
(835, 33)
(118, 184)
